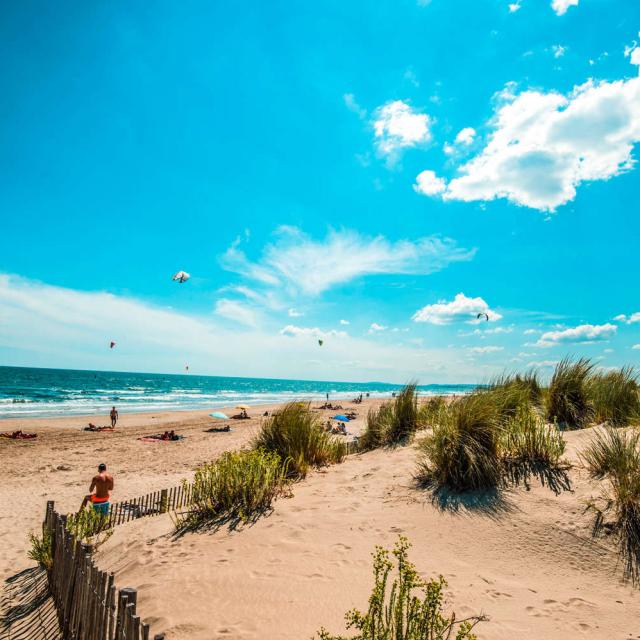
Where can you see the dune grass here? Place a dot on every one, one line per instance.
(614, 455)
(238, 486)
(41, 548)
(89, 526)
(514, 391)
(462, 452)
(526, 437)
(615, 396)
(429, 411)
(295, 434)
(394, 422)
(397, 611)
(568, 401)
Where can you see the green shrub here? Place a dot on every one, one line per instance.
(378, 421)
(397, 613)
(429, 412)
(394, 422)
(41, 549)
(568, 401)
(88, 526)
(462, 452)
(615, 455)
(615, 397)
(296, 435)
(239, 485)
(511, 392)
(528, 438)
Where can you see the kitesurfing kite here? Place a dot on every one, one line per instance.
(320, 342)
(486, 315)
(181, 276)
(112, 344)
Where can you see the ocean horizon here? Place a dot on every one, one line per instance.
(30, 392)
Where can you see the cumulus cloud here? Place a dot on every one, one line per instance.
(301, 264)
(375, 327)
(582, 334)
(514, 6)
(460, 308)
(466, 136)
(344, 322)
(544, 145)
(636, 346)
(561, 6)
(630, 319)
(294, 313)
(487, 349)
(428, 183)
(398, 126)
(293, 331)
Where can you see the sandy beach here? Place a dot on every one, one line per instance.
(524, 557)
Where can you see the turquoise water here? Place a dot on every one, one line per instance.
(28, 393)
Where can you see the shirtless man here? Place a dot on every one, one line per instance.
(101, 485)
(114, 416)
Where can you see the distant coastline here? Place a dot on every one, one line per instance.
(27, 392)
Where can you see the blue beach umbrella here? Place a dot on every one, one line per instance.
(219, 415)
(341, 417)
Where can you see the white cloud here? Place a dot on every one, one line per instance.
(466, 136)
(461, 308)
(558, 50)
(582, 334)
(375, 327)
(561, 6)
(633, 53)
(542, 363)
(636, 346)
(514, 6)
(352, 105)
(298, 263)
(344, 322)
(398, 126)
(294, 313)
(428, 184)
(529, 332)
(293, 331)
(410, 76)
(608, 350)
(631, 319)
(487, 349)
(544, 145)
(236, 311)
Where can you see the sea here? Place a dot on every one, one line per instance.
(33, 392)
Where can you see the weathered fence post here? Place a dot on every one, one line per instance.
(164, 501)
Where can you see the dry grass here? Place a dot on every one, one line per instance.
(615, 397)
(568, 402)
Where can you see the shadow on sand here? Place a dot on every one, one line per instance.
(555, 478)
(27, 609)
(191, 522)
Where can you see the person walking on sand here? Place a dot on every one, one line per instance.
(98, 495)
(114, 417)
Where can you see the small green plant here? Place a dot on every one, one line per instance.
(237, 486)
(614, 455)
(89, 526)
(511, 392)
(526, 437)
(615, 397)
(429, 413)
(296, 435)
(462, 453)
(41, 548)
(393, 422)
(568, 401)
(396, 612)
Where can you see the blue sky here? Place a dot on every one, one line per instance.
(399, 167)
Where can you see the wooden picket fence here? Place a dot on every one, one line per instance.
(88, 605)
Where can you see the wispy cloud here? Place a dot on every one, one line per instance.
(374, 327)
(236, 311)
(461, 308)
(298, 263)
(294, 313)
(487, 349)
(582, 334)
(351, 104)
(630, 319)
(293, 331)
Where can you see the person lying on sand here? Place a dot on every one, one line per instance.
(98, 495)
(19, 435)
(93, 427)
(241, 416)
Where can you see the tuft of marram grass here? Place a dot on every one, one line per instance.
(41, 549)
(615, 396)
(568, 401)
(429, 413)
(526, 437)
(393, 422)
(239, 485)
(614, 454)
(295, 434)
(512, 392)
(462, 452)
